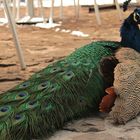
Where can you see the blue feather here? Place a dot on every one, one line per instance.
(130, 33)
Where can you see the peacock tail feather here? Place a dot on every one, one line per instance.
(66, 89)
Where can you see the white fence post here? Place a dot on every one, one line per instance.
(30, 8)
(13, 29)
(97, 12)
(118, 8)
(51, 12)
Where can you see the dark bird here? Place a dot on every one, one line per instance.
(130, 33)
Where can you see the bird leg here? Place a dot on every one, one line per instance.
(108, 100)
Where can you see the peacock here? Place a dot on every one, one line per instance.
(67, 89)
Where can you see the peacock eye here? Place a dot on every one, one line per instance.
(25, 85)
(43, 85)
(68, 75)
(22, 94)
(32, 103)
(18, 117)
(56, 69)
(4, 109)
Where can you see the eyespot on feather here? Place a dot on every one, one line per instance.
(44, 85)
(18, 119)
(68, 75)
(55, 69)
(24, 85)
(5, 110)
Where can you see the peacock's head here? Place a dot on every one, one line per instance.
(136, 15)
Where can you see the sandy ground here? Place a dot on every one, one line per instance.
(99, 127)
(44, 46)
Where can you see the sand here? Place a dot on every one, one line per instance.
(99, 127)
(44, 46)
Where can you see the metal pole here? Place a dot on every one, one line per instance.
(77, 8)
(13, 29)
(18, 10)
(51, 12)
(97, 12)
(14, 9)
(42, 10)
(30, 8)
(138, 1)
(118, 8)
(61, 9)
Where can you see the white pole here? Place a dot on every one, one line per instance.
(13, 29)
(77, 8)
(18, 9)
(51, 12)
(118, 8)
(42, 10)
(39, 7)
(96, 8)
(30, 8)
(14, 8)
(61, 9)
(5, 15)
(138, 1)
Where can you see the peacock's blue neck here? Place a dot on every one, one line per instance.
(130, 34)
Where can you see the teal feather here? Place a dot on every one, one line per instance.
(66, 89)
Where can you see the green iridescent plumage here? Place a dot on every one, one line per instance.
(65, 90)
